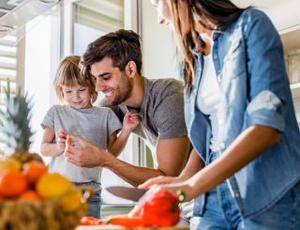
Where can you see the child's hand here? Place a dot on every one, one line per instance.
(61, 140)
(68, 143)
(130, 121)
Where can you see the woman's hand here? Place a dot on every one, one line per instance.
(160, 180)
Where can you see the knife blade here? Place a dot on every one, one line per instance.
(127, 193)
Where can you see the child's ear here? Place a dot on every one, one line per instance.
(130, 69)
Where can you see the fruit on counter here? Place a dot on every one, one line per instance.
(29, 195)
(12, 184)
(90, 220)
(10, 164)
(157, 208)
(71, 201)
(125, 221)
(53, 185)
(33, 170)
(121, 220)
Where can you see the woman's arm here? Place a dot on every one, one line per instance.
(48, 148)
(248, 146)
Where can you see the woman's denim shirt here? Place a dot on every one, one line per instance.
(248, 58)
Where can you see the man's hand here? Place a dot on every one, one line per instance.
(87, 154)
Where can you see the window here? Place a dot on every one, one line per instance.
(42, 55)
(10, 72)
(92, 19)
(8, 64)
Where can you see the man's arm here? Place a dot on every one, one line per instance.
(194, 165)
(171, 154)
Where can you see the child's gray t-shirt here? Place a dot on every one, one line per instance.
(94, 124)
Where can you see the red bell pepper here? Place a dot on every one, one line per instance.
(157, 208)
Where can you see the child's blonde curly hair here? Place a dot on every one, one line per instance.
(69, 74)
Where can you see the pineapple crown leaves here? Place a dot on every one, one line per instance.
(14, 123)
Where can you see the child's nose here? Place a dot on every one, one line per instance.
(77, 95)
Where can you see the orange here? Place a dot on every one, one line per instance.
(33, 170)
(52, 185)
(29, 195)
(12, 184)
(10, 164)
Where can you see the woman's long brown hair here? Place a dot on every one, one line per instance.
(220, 13)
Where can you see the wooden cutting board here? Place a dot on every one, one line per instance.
(116, 227)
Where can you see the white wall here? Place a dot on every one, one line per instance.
(159, 54)
(41, 58)
(159, 46)
(284, 14)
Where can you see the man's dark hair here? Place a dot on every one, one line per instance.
(121, 46)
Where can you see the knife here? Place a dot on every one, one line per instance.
(128, 193)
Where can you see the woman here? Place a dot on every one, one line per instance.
(244, 168)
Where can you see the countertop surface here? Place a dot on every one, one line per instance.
(116, 227)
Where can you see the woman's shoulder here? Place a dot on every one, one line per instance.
(251, 14)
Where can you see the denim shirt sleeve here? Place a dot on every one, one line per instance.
(267, 79)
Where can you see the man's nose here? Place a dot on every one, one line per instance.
(100, 86)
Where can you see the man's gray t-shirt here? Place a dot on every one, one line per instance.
(94, 124)
(162, 110)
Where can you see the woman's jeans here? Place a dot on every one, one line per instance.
(221, 212)
(94, 203)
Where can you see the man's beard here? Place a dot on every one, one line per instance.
(123, 93)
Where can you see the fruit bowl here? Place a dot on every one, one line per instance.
(46, 215)
(33, 198)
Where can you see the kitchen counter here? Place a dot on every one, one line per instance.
(116, 227)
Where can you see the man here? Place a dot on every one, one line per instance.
(115, 60)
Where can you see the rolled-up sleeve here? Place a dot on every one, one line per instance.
(268, 82)
(265, 109)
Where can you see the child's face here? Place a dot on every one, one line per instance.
(77, 96)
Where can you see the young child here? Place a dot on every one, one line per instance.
(77, 116)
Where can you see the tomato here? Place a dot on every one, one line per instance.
(90, 220)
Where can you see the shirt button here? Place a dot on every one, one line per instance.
(222, 145)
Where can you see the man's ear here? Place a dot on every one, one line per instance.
(130, 69)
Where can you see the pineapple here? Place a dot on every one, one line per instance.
(43, 213)
(15, 132)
